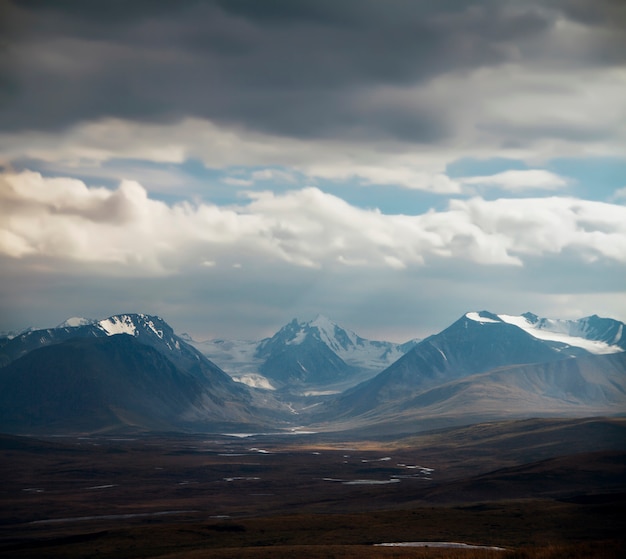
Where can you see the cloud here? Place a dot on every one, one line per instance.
(64, 220)
(359, 71)
(229, 63)
(515, 180)
(203, 99)
(540, 227)
(375, 93)
(513, 111)
(221, 147)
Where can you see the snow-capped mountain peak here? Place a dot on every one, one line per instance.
(335, 337)
(118, 325)
(132, 323)
(321, 329)
(483, 317)
(593, 333)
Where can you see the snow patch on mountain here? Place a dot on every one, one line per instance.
(130, 323)
(152, 327)
(122, 324)
(16, 333)
(254, 381)
(476, 317)
(571, 332)
(336, 338)
(297, 339)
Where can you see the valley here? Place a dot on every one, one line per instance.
(520, 485)
(500, 436)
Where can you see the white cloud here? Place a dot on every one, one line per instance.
(514, 180)
(543, 226)
(64, 220)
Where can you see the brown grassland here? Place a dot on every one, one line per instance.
(180, 497)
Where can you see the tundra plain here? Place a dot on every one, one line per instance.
(537, 488)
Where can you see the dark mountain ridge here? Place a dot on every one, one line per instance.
(147, 329)
(96, 384)
(125, 370)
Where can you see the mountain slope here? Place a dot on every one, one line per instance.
(466, 347)
(226, 400)
(590, 385)
(593, 384)
(93, 384)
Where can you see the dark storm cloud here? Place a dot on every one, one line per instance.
(609, 13)
(295, 68)
(286, 67)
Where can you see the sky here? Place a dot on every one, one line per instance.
(229, 165)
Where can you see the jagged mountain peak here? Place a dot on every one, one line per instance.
(322, 322)
(482, 317)
(148, 329)
(126, 323)
(479, 341)
(320, 329)
(531, 317)
(132, 323)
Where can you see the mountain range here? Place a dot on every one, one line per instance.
(132, 371)
(441, 377)
(305, 356)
